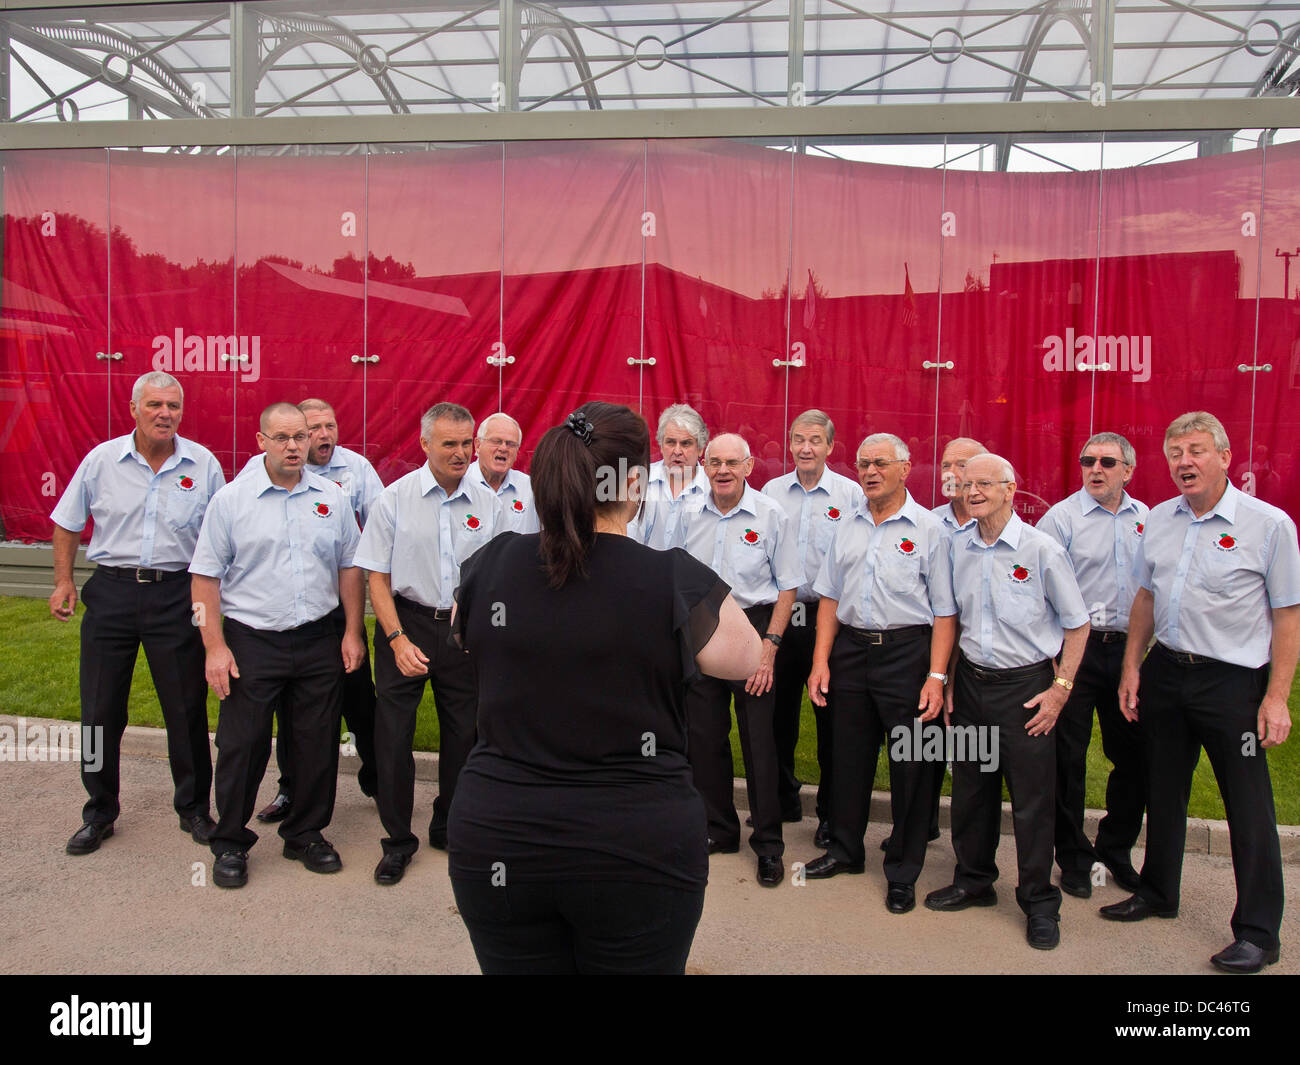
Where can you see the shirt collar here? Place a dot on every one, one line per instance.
(263, 481)
(1226, 507)
(1010, 535)
(908, 512)
(481, 478)
(746, 503)
(183, 451)
(659, 473)
(1088, 504)
(820, 486)
(429, 483)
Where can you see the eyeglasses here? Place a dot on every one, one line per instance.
(496, 441)
(731, 464)
(1089, 461)
(983, 486)
(880, 464)
(282, 439)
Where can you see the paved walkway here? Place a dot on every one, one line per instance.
(137, 905)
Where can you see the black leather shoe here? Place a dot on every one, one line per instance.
(722, 848)
(900, 898)
(771, 870)
(953, 898)
(1077, 884)
(318, 856)
(391, 867)
(1123, 874)
(200, 827)
(827, 866)
(230, 869)
(822, 837)
(1043, 931)
(1134, 908)
(278, 810)
(438, 835)
(1244, 957)
(88, 837)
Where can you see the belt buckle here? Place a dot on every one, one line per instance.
(142, 580)
(875, 638)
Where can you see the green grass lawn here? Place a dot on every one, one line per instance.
(38, 678)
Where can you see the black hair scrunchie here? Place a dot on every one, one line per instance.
(577, 424)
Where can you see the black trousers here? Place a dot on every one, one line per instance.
(122, 614)
(874, 690)
(358, 712)
(455, 694)
(991, 699)
(581, 926)
(1183, 707)
(301, 668)
(708, 720)
(1097, 685)
(793, 664)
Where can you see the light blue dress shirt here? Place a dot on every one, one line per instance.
(1101, 546)
(277, 552)
(891, 575)
(815, 514)
(749, 547)
(1016, 596)
(348, 469)
(658, 525)
(142, 519)
(944, 513)
(420, 535)
(519, 513)
(1217, 578)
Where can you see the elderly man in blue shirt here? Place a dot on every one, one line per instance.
(1019, 606)
(147, 493)
(677, 483)
(1219, 577)
(496, 447)
(275, 557)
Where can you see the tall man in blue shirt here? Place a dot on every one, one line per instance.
(423, 526)
(818, 501)
(1100, 527)
(744, 536)
(274, 557)
(147, 493)
(886, 626)
(1019, 605)
(1219, 576)
(677, 483)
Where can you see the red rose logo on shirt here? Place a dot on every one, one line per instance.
(471, 522)
(1139, 528)
(1019, 573)
(322, 510)
(750, 536)
(185, 484)
(832, 513)
(339, 483)
(905, 546)
(1226, 543)
(517, 506)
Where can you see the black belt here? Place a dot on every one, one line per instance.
(141, 575)
(1015, 673)
(1186, 658)
(1107, 635)
(876, 637)
(320, 627)
(436, 613)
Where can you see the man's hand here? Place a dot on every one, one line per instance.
(354, 652)
(1274, 724)
(760, 680)
(63, 603)
(1128, 694)
(819, 683)
(932, 699)
(410, 659)
(1049, 703)
(219, 668)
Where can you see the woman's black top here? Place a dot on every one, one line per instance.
(580, 768)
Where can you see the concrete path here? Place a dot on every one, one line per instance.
(144, 903)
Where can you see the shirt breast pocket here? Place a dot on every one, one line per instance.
(184, 509)
(324, 539)
(1016, 604)
(900, 573)
(1215, 569)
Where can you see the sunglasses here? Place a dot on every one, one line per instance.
(1108, 462)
